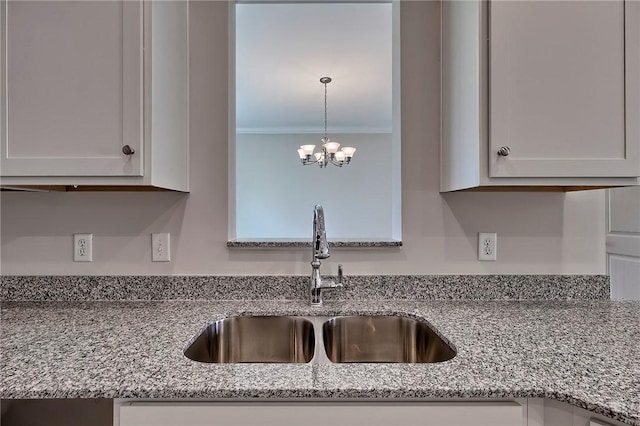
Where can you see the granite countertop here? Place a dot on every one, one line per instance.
(306, 243)
(582, 352)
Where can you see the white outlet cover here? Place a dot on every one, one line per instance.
(161, 247)
(487, 246)
(83, 247)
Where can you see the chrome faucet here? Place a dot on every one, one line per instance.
(320, 250)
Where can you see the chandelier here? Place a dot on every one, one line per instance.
(329, 152)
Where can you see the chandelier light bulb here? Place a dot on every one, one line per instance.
(348, 151)
(308, 149)
(332, 147)
(301, 153)
(340, 156)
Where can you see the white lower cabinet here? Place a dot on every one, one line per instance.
(507, 413)
(314, 412)
(549, 412)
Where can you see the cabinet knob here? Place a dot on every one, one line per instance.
(504, 151)
(127, 150)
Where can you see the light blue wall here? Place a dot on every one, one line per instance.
(275, 193)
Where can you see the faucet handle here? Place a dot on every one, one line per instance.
(340, 274)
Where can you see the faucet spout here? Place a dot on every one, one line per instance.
(320, 250)
(320, 244)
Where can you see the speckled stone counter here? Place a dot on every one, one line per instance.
(295, 287)
(582, 352)
(306, 243)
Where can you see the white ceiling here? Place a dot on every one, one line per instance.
(282, 50)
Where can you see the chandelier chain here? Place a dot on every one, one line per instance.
(325, 110)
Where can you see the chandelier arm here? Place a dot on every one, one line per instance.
(335, 162)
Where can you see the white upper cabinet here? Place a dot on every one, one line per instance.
(540, 93)
(557, 89)
(78, 103)
(72, 86)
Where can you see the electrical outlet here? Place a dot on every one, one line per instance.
(83, 247)
(487, 246)
(160, 248)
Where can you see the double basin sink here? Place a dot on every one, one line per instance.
(342, 339)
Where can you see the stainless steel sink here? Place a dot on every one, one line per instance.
(291, 339)
(383, 339)
(255, 339)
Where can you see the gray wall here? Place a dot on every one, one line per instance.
(537, 232)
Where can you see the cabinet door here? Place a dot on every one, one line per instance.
(564, 88)
(71, 88)
(320, 414)
(623, 242)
